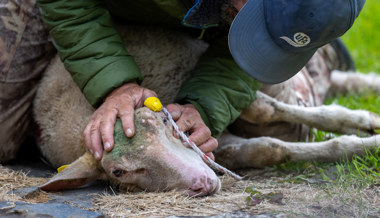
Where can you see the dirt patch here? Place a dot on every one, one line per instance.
(12, 180)
(301, 199)
(230, 198)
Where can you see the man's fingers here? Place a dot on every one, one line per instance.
(188, 119)
(200, 134)
(185, 125)
(92, 137)
(210, 155)
(107, 124)
(127, 117)
(210, 145)
(183, 120)
(174, 110)
(87, 138)
(96, 140)
(121, 102)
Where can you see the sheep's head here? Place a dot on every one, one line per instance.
(153, 159)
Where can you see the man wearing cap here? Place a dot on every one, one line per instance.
(270, 41)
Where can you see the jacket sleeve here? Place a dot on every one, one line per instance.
(89, 46)
(218, 88)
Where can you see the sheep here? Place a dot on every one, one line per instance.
(166, 58)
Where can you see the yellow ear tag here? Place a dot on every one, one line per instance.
(62, 168)
(153, 103)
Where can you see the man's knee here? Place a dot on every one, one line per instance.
(16, 100)
(25, 51)
(13, 131)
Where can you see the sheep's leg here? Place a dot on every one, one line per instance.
(236, 152)
(345, 82)
(332, 118)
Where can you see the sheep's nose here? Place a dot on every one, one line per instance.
(204, 186)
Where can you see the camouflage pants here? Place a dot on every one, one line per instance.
(25, 51)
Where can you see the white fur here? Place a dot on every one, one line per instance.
(166, 59)
(62, 112)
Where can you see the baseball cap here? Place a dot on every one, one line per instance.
(272, 40)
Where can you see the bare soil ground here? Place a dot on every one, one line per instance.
(264, 191)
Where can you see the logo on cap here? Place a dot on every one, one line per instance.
(300, 40)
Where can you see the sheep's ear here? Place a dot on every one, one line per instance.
(79, 173)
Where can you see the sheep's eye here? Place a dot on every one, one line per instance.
(164, 120)
(118, 173)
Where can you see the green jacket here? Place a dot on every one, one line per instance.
(93, 53)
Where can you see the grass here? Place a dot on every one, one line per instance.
(363, 39)
(349, 177)
(363, 42)
(361, 171)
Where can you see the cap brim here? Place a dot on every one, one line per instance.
(256, 53)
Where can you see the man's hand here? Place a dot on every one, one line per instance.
(122, 103)
(189, 120)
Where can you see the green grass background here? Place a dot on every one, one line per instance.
(363, 42)
(363, 39)
(359, 173)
